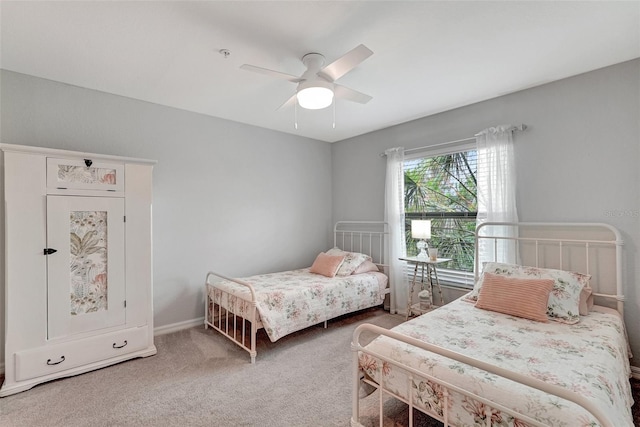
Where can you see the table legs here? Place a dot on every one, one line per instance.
(432, 277)
(413, 284)
(435, 273)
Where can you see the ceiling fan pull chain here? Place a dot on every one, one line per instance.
(334, 113)
(295, 114)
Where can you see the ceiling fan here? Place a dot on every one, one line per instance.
(316, 86)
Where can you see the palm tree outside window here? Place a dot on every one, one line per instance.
(443, 188)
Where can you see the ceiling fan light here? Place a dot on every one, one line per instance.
(315, 95)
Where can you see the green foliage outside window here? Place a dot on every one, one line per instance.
(443, 189)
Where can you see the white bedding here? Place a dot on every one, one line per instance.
(293, 300)
(590, 357)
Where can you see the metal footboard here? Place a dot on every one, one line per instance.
(445, 417)
(234, 317)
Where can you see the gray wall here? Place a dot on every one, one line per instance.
(227, 194)
(577, 162)
(228, 197)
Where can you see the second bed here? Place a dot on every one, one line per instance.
(289, 301)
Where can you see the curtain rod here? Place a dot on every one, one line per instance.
(520, 128)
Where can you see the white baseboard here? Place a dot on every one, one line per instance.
(175, 327)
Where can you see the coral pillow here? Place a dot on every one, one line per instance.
(527, 298)
(586, 301)
(327, 265)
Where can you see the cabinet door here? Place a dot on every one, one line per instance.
(86, 275)
(85, 174)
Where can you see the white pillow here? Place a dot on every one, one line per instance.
(352, 261)
(366, 267)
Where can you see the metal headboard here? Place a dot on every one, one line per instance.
(588, 248)
(367, 237)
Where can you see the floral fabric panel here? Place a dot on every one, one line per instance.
(564, 300)
(293, 300)
(85, 175)
(589, 358)
(352, 260)
(88, 265)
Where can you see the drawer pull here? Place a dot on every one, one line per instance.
(120, 346)
(50, 363)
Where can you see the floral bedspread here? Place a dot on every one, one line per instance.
(589, 357)
(293, 300)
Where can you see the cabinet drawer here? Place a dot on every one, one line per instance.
(85, 174)
(59, 357)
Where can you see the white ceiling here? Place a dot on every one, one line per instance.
(429, 56)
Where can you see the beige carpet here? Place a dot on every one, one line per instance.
(199, 378)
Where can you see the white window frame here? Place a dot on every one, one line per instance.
(448, 277)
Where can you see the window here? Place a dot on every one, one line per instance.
(443, 188)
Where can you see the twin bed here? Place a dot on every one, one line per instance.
(461, 364)
(468, 366)
(289, 301)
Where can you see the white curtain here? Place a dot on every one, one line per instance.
(394, 216)
(497, 191)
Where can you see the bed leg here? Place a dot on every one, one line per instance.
(253, 352)
(206, 307)
(445, 407)
(355, 386)
(487, 417)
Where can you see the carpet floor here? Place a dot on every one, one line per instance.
(199, 378)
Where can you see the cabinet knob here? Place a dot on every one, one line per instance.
(87, 162)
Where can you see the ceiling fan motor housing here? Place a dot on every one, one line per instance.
(313, 62)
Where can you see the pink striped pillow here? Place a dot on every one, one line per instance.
(520, 297)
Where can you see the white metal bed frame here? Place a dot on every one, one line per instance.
(537, 246)
(368, 237)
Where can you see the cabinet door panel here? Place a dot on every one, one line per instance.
(85, 174)
(86, 275)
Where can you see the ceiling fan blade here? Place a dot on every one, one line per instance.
(272, 73)
(343, 92)
(345, 63)
(289, 102)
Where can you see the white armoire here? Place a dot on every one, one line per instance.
(77, 263)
